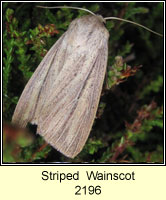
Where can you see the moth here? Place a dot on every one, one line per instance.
(63, 94)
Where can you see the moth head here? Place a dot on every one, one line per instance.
(101, 19)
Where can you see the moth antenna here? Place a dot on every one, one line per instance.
(131, 22)
(77, 8)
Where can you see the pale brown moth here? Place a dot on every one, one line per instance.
(63, 94)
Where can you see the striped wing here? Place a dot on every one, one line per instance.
(26, 106)
(75, 121)
(68, 114)
(63, 94)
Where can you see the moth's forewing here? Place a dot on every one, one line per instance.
(26, 106)
(67, 97)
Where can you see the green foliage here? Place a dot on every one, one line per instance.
(153, 86)
(134, 11)
(129, 122)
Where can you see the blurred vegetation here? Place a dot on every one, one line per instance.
(129, 124)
